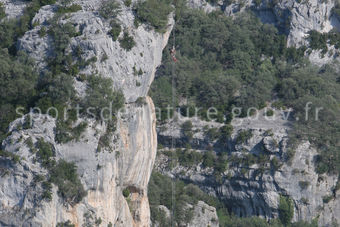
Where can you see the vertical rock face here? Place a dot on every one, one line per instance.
(293, 18)
(204, 215)
(105, 174)
(254, 189)
(298, 18)
(13, 8)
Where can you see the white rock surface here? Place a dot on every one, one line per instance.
(104, 174)
(13, 8)
(204, 215)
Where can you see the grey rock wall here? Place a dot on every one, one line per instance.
(104, 174)
(256, 189)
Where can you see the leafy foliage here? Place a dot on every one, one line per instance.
(225, 63)
(319, 41)
(154, 13)
(69, 9)
(17, 87)
(159, 191)
(186, 129)
(12, 29)
(243, 136)
(45, 152)
(65, 224)
(127, 42)
(15, 158)
(65, 176)
(109, 9)
(126, 192)
(100, 95)
(219, 57)
(319, 88)
(65, 133)
(115, 30)
(2, 11)
(286, 210)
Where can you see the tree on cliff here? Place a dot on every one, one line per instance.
(286, 210)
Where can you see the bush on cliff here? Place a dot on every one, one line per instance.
(154, 13)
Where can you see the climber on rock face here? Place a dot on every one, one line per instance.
(173, 54)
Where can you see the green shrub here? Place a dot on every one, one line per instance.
(109, 9)
(45, 152)
(208, 159)
(69, 9)
(138, 84)
(115, 30)
(105, 140)
(188, 158)
(17, 84)
(127, 3)
(2, 11)
(303, 184)
(47, 195)
(64, 176)
(186, 129)
(11, 30)
(98, 221)
(42, 32)
(225, 133)
(126, 192)
(286, 210)
(275, 163)
(258, 2)
(104, 58)
(154, 12)
(290, 155)
(212, 134)
(15, 158)
(317, 40)
(60, 61)
(100, 95)
(65, 133)
(244, 136)
(269, 113)
(327, 198)
(159, 189)
(127, 42)
(141, 101)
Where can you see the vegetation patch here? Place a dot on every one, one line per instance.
(5, 154)
(109, 9)
(100, 96)
(45, 152)
(286, 210)
(115, 30)
(154, 13)
(2, 11)
(65, 133)
(304, 185)
(69, 9)
(127, 42)
(64, 175)
(126, 192)
(65, 224)
(243, 136)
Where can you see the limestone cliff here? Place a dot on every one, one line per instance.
(105, 174)
(254, 187)
(293, 18)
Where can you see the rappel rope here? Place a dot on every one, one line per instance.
(173, 183)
